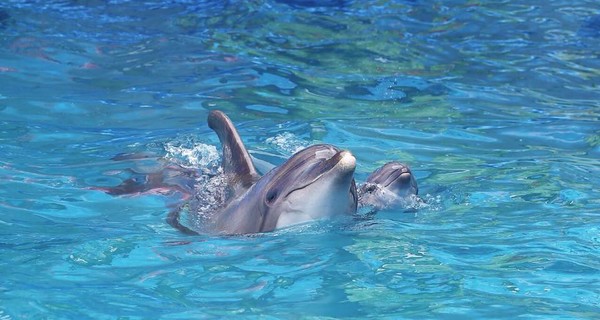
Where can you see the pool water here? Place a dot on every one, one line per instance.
(495, 105)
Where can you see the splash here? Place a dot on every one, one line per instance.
(411, 203)
(209, 196)
(191, 154)
(209, 185)
(287, 143)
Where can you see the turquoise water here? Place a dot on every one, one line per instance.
(494, 104)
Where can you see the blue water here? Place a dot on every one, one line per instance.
(494, 104)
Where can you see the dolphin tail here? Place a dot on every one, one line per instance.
(237, 163)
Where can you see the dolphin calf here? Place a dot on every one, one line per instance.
(392, 185)
(314, 183)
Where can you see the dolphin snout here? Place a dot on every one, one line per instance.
(345, 160)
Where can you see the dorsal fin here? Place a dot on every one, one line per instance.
(237, 164)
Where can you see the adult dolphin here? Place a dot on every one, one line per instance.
(314, 183)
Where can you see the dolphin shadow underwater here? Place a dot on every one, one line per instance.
(315, 183)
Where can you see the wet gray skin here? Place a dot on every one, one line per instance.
(316, 182)
(392, 185)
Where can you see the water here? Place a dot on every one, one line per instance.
(494, 104)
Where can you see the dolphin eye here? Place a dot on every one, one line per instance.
(370, 188)
(271, 196)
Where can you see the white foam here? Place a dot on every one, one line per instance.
(287, 143)
(209, 185)
(193, 155)
(209, 196)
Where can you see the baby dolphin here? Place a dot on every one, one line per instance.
(390, 186)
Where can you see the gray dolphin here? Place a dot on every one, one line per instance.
(392, 185)
(314, 183)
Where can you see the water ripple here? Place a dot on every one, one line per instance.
(494, 105)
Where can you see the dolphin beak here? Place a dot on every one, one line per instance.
(400, 174)
(342, 163)
(346, 160)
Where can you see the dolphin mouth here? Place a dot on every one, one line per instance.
(404, 175)
(343, 162)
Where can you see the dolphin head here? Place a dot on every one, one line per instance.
(388, 186)
(314, 183)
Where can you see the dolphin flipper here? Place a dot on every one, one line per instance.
(237, 163)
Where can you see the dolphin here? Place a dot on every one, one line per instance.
(316, 182)
(390, 186)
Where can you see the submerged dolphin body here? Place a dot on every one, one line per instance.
(314, 183)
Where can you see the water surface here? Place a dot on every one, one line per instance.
(494, 104)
